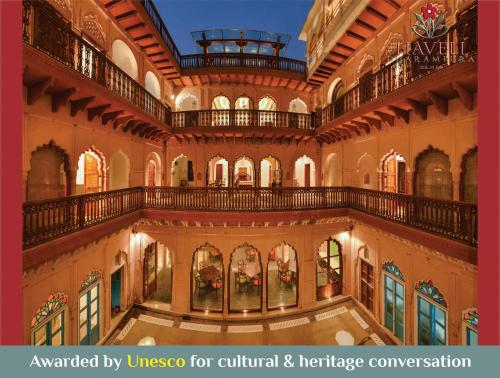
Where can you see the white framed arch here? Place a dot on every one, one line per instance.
(155, 159)
(124, 58)
(337, 81)
(186, 102)
(268, 103)
(304, 173)
(152, 84)
(218, 171)
(119, 171)
(94, 179)
(244, 171)
(221, 102)
(180, 171)
(297, 105)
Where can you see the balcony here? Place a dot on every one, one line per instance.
(47, 220)
(51, 36)
(404, 85)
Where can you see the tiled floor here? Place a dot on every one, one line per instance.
(344, 322)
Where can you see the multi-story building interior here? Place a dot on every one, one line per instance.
(239, 196)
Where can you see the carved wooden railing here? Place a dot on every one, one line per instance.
(406, 70)
(47, 220)
(162, 29)
(241, 118)
(241, 60)
(44, 30)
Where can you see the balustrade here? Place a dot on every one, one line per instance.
(45, 31)
(46, 220)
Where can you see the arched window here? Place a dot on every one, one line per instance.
(304, 174)
(297, 105)
(245, 270)
(393, 167)
(329, 269)
(124, 58)
(207, 279)
(365, 77)
(394, 299)
(244, 172)
(186, 102)
(468, 177)
(220, 111)
(89, 309)
(432, 174)
(282, 277)
(267, 111)
(270, 172)
(335, 91)
(119, 171)
(431, 315)
(182, 171)
(49, 176)
(470, 321)
(296, 117)
(152, 84)
(153, 170)
(243, 114)
(90, 176)
(218, 172)
(48, 324)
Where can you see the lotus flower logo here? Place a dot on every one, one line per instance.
(430, 22)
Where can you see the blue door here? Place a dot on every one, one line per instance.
(116, 292)
(89, 316)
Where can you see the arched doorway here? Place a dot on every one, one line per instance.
(468, 177)
(432, 175)
(220, 111)
(244, 172)
(296, 109)
(153, 170)
(119, 171)
(267, 111)
(393, 173)
(243, 106)
(186, 116)
(365, 75)
(182, 171)
(218, 172)
(245, 280)
(157, 274)
(282, 277)
(332, 174)
(49, 176)
(304, 172)
(329, 270)
(207, 279)
(270, 172)
(90, 176)
(152, 84)
(367, 172)
(124, 58)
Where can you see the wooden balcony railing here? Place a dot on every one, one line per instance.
(405, 70)
(242, 118)
(237, 60)
(44, 30)
(162, 29)
(47, 220)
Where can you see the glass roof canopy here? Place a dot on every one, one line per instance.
(240, 41)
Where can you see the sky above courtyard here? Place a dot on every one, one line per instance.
(284, 16)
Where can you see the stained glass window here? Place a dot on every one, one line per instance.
(471, 319)
(393, 269)
(92, 278)
(428, 289)
(55, 302)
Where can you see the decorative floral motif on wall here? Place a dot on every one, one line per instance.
(92, 278)
(55, 302)
(471, 318)
(92, 27)
(393, 269)
(428, 289)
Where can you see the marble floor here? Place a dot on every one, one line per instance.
(343, 323)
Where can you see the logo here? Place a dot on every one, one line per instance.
(430, 22)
